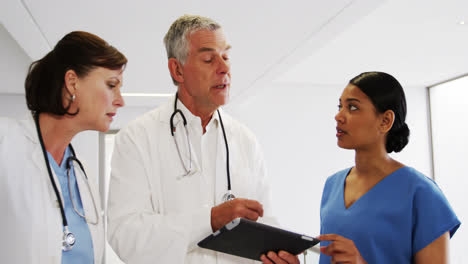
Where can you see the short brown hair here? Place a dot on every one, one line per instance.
(79, 51)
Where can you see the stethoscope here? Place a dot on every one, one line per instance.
(69, 238)
(188, 169)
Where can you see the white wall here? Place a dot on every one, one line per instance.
(13, 105)
(13, 64)
(296, 128)
(13, 67)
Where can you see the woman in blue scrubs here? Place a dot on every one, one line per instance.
(51, 208)
(380, 210)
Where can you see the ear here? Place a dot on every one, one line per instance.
(71, 80)
(176, 70)
(388, 117)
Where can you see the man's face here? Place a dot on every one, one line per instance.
(206, 72)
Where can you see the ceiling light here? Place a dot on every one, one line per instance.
(146, 95)
(461, 22)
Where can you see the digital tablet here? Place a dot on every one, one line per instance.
(249, 239)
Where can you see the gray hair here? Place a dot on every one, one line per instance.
(176, 38)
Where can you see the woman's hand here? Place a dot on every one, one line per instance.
(341, 250)
(282, 257)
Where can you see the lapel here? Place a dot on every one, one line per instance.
(39, 160)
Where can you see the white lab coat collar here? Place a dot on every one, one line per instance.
(192, 119)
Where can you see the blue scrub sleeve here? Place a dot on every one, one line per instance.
(432, 216)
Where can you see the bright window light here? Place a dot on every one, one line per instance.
(449, 113)
(146, 95)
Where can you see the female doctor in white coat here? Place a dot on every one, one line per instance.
(50, 208)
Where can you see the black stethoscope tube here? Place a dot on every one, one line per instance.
(68, 166)
(64, 218)
(227, 152)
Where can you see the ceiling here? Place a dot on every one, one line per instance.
(308, 41)
(420, 42)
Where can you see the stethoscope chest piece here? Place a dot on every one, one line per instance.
(68, 240)
(228, 197)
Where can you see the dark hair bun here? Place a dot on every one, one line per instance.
(397, 138)
(386, 93)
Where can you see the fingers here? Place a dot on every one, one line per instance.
(337, 247)
(323, 250)
(226, 212)
(342, 258)
(249, 209)
(327, 250)
(329, 237)
(288, 257)
(251, 215)
(330, 250)
(265, 260)
(254, 206)
(275, 258)
(341, 250)
(282, 257)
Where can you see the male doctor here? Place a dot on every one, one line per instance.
(167, 192)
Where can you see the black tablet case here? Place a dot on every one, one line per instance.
(248, 239)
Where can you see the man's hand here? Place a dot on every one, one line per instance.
(230, 210)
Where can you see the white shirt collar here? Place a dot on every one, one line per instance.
(195, 120)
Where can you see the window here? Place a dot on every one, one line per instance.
(449, 118)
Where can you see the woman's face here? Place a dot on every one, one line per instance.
(358, 123)
(98, 97)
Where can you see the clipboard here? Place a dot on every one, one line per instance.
(249, 239)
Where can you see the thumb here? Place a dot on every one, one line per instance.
(323, 250)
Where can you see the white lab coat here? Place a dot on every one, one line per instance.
(31, 223)
(156, 216)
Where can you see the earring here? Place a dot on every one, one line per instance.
(73, 98)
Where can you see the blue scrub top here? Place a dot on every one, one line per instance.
(82, 252)
(399, 216)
